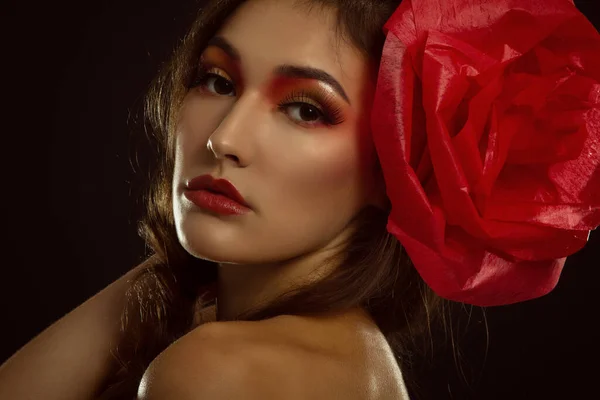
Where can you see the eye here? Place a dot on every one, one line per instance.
(311, 108)
(303, 113)
(213, 83)
(219, 85)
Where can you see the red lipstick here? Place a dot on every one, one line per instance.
(217, 195)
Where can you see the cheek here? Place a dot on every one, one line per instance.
(335, 168)
(344, 160)
(328, 173)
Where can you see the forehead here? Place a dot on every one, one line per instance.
(268, 33)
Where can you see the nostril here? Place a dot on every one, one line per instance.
(232, 157)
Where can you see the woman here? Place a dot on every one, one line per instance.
(314, 297)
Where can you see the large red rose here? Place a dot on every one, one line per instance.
(487, 124)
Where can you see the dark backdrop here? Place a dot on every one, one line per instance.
(73, 78)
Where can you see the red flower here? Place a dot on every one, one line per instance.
(487, 124)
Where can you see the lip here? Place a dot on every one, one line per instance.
(218, 195)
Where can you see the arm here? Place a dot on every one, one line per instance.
(70, 359)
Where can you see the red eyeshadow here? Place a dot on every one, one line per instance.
(280, 85)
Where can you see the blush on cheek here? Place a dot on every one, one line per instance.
(335, 168)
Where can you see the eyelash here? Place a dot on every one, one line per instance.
(329, 113)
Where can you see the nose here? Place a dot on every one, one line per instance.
(223, 151)
(232, 140)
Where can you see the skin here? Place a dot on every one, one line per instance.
(304, 181)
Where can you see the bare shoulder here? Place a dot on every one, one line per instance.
(225, 360)
(286, 357)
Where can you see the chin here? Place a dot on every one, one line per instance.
(208, 238)
(220, 247)
(202, 247)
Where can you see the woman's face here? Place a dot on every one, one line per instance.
(285, 118)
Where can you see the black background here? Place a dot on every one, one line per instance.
(74, 74)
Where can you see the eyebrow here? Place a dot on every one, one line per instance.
(284, 70)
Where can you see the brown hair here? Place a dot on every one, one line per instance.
(374, 271)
